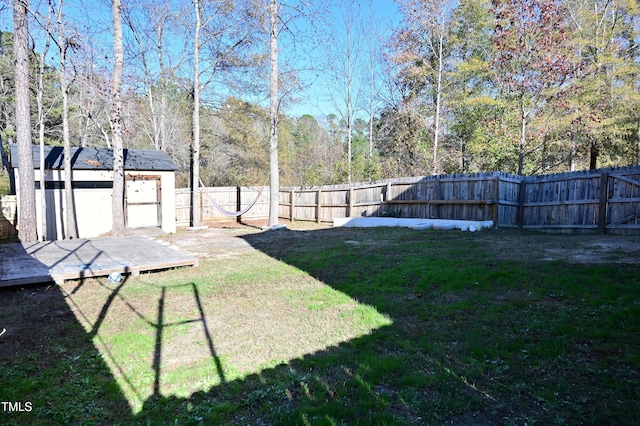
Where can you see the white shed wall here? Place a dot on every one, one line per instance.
(93, 212)
(93, 206)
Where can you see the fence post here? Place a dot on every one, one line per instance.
(319, 205)
(387, 197)
(200, 204)
(238, 203)
(521, 199)
(604, 195)
(351, 201)
(292, 206)
(438, 206)
(496, 202)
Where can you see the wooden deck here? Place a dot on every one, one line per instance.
(76, 259)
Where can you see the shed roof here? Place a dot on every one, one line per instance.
(97, 159)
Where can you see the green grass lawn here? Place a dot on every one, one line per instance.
(337, 326)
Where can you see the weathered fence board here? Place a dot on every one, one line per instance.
(623, 205)
(474, 197)
(604, 199)
(8, 216)
(567, 202)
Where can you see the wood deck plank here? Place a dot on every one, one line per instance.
(57, 261)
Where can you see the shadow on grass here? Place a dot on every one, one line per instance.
(59, 372)
(441, 361)
(58, 361)
(49, 365)
(387, 377)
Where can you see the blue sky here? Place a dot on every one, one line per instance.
(318, 99)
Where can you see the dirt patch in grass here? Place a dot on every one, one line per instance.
(573, 248)
(225, 239)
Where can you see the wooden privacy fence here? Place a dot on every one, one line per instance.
(595, 200)
(230, 199)
(468, 197)
(604, 199)
(483, 196)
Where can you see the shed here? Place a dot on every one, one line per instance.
(149, 189)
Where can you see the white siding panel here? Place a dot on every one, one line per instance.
(54, 214)
(93, 208)
(93, 212)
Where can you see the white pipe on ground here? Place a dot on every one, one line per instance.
(438, 224)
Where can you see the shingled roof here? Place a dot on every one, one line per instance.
(97, 159)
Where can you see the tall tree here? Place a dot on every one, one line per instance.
(195, 119)
(530, 57)
(222, 45)
(41, 134)
(27, 209)
(374, 61)
(149, 25)
(64, 43)
(422, 49)
(274, 107)
(117, 207)
(289, 46)
(470, 94)
(352, 9)
(604, 98)
(345, 51)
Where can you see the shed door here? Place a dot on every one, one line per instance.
(142, 199)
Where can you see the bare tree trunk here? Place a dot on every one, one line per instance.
(349, 106)
(572, 156)
(116, 122)
(155, 129)
(593, 155)
(372, 82)
(71, 228)
(27, 209)
(162, 134)
(195, 145)
(638, 144)
(345, 49)
(41, 117)
(274, 176)
(523, 135)
(436, 137)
